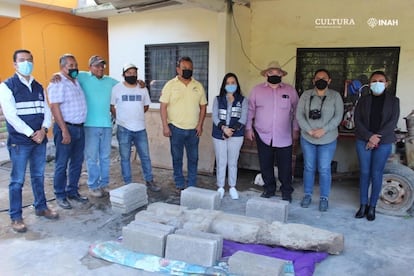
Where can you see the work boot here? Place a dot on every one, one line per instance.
(96, 193)
(47, 213)
(18, 226)
(63, 203)
(78, 198)
(153, 187)
(371, 213)
(306, 201)
(362, 211)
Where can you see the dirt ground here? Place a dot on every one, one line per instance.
(382, 247)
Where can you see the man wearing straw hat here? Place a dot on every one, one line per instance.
(271, 122)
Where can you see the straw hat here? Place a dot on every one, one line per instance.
(273, 65)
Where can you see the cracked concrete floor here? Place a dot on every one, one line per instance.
(382, 247)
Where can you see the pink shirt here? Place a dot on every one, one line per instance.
(272, 113)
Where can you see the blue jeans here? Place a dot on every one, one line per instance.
(20, 155)
(98, 155)
(139, 138)
(68, 154)
(179, 139)
(317, 157)
(371, 165)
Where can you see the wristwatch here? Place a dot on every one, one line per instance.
(45, 129)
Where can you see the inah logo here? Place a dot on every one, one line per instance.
(374, 22)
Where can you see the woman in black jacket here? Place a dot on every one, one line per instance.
(376, 117)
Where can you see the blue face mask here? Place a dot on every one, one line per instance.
(230, 88)
(25, 67)
(73, 73)
(377, 88)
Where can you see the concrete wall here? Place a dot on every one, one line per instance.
(268, 30)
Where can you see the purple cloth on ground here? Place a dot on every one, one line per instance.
(303, 261)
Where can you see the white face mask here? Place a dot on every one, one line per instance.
(377, 88)
(25, 67)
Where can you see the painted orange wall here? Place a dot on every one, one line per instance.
(49, 34)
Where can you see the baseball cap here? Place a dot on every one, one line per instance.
(128, 66)
(95, 60)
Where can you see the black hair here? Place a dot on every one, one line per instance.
(20, 51)
(223, 84)
(322, 70)
(382, 73)
(184, 59)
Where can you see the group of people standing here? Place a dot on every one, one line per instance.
(273, 115)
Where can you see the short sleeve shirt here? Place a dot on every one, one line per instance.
(98, 98)
(71, 98)
(129, 103)
(183, 102)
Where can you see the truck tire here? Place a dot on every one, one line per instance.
(397, 193)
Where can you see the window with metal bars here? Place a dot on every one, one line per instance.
(161, 61)
(346, 64)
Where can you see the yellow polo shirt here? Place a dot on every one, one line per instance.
(183, 102)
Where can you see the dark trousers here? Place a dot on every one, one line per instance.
(283, 157)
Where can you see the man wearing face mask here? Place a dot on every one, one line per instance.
(68, 105)
(271, 121)
(129, 102)
(28, 117)
(183, 110)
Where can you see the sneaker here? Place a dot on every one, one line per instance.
(78, 198)
(178, 190)
(47, 213)
(221, 192)
(62, 202)
(96, 192)
(233, 193)
(323, 205)
(306, 201)
(18, 226)
(105, 190)
(152, 186)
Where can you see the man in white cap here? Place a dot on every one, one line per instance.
(271, 121)
(129, 102)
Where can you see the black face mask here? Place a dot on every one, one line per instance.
(131, 79)
(274, 79)
(321, 84)
(73, 73)
(187, 74)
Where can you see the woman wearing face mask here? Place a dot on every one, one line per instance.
(319, 113)
(376, 117)
(229, 119)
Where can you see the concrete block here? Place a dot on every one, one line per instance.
(154, 225)
(194, 198)
(269, 209)
(249, 264)
(128, 193)
(144, 240)
(193, 250)
(204, 235)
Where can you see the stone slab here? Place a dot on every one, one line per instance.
(249, 264)
(269, 209)
(194, 198)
